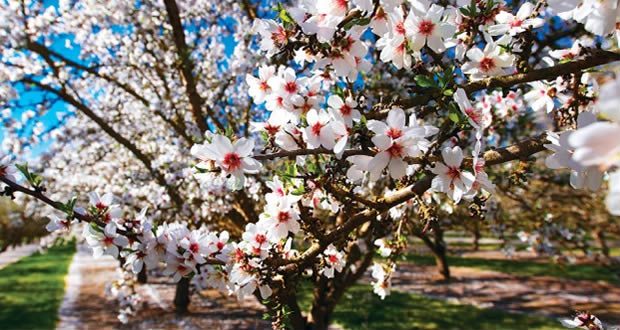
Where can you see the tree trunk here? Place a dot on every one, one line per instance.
(319, 314)
(142, 277)
(442, 262)
(296, 319)
(599, 236)
(181, 296)
(328, 292)
(438, 249)
(476, 236)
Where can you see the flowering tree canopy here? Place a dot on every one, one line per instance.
(269, 144)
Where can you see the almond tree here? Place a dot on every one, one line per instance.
(356, 113)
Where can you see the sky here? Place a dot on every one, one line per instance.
(27, 99)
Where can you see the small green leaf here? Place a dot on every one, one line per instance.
(284, 15)
(299, 191)
(35, 180)
(358, 21)
(454, 117)
(424, 81)
(448, 92)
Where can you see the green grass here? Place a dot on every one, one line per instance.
(360, 308)
(32, 289)
(527, 268)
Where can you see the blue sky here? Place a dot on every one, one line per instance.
(27, 99)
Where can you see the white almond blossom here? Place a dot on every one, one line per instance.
(424, 26)
(478, 117)
(449, 177)
(259, 87)
(492, 61)
(319, 131)
(382, 280)
(334, 261)
(106, 242)
(515, 24)
(233, 159)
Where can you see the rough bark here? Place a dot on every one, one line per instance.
(438, 249)
(142, 277)
(182, 296)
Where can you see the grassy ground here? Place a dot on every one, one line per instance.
(31, 289)
(360, 308)
(527, 268)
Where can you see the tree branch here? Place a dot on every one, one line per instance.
(187, 69)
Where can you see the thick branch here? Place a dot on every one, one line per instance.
(176, 198)
(596, 58)
(187, 68)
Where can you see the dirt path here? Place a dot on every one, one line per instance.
(11, 255)
(85, 305)
(543, 295)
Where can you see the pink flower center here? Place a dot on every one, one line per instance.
(487, 64)
(290, 87)
(219, 246)
(260, 239)
(316, 129)
(264, 86)
(473, 114)
(232, 161)
(347, 44)
(394, 133)
(272, 129)
(283, 217)
(2, 171)
(516, 23)
(479, 167)
(332, 259)
(453, 172)
(100, 206)
(345, 110)
(342, 4)
(426, 27)
(279, 37)
(107, 241)
(400, 28)
(194, 247)
(396, 150)
(239, 255)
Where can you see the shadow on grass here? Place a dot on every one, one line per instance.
(31, 289)
(361, 309)
(527, 268)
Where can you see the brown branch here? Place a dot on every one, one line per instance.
(176, 198)
(306, 152)
(596, 58)
(250, 10)
(81, 217)
(187, 69)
